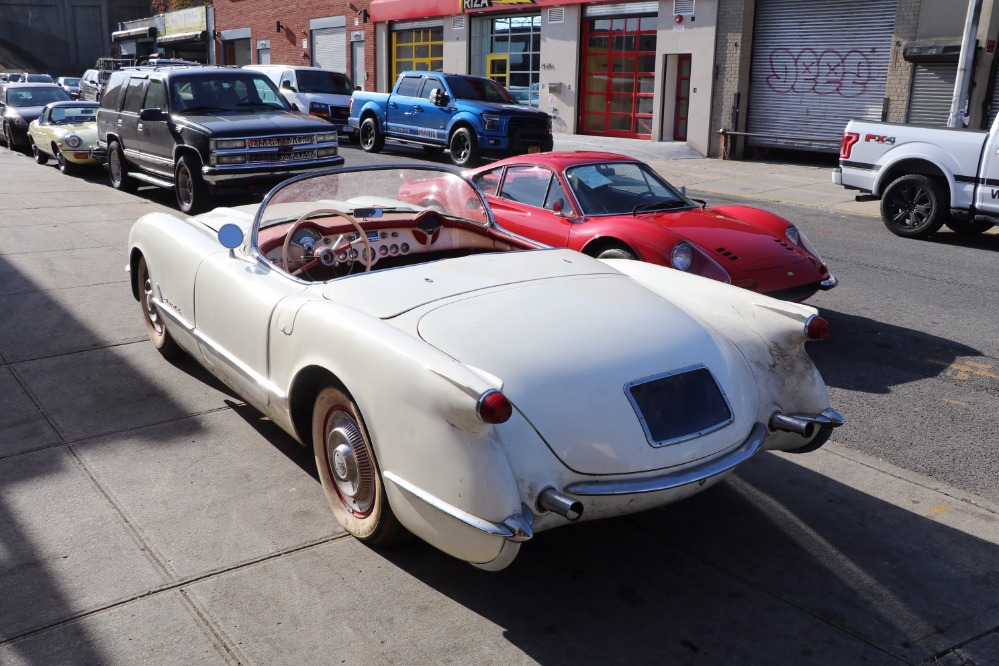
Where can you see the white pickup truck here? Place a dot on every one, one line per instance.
(926, 177)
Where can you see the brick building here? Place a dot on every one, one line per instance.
(789, 72)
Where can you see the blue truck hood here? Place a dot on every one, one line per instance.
(507, 109)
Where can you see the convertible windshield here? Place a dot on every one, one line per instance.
(323, 82)
(481, 90)
(225, 93)
(67, 115)
(389, 190)
(621, 187)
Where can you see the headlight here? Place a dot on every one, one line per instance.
(492, 123)
(73, 141)
(228, 144)
(326, 137)
(227, 159)
(326, 152)
(682, 256)
(798, 237)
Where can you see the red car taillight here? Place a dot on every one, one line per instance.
(816, 328)
(849, 138)
(494, 407)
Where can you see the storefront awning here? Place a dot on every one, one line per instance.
(400, 10)
(134, 34)
(183, 38)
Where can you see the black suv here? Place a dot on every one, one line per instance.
(204, 129)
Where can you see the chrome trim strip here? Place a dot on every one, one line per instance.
(672, 480)
(220, 174)
(480, 524)
(234, 362)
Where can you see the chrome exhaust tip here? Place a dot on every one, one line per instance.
(795, 424)
(554, 501)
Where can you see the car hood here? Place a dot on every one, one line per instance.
(262, 124)
(567, 348)
(730, 240)
(29, 113)
(510, 109)
(563, 334)
(324, 98)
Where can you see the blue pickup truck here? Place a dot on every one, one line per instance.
(469, 115)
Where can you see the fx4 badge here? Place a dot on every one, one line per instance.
(880, 139)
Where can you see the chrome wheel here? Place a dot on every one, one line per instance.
(185, 190)
(114, 168)
(349, 463)
(155, 329)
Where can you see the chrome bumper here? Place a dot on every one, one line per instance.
(837, 176)
(696, 474)
(235, 176)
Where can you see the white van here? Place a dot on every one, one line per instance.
(318, 92)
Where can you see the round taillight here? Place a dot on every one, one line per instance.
(494, 407)
(816, 328)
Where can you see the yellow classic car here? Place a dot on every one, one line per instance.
(66, 132)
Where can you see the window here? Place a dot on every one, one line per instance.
(155, 96)
(409, 86)
(133, 95)
(429, 85)
(526, 185)
(421, 49)
(488, 181)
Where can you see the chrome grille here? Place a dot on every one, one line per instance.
(278, 141)
(291, 156)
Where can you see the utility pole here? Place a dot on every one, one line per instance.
(959, 102)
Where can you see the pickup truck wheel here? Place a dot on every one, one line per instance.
(464, 148)
(118, 169)
(914, 206)
(969, 227)
(349, 472)
(371, 138)
(192, 193)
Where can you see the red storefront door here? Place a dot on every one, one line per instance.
(681, 109)
(619, 68)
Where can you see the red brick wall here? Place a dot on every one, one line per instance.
(261, 17)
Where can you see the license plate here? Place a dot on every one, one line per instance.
(534, 149)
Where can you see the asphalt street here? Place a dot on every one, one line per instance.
(148, 516)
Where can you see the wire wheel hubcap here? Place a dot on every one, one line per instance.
(349, 464)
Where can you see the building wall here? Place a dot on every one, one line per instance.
(560, 73)
(262, 16)
(730, 98)
(67, 36)
(899, 81)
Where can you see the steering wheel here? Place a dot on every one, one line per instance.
(370, 256)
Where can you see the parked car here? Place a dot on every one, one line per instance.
(613, 206)
(926, 177)
(319, 92)
(90, 86)
(469, 115)
(66, 132)
(203, 130)
(37, 78)
(454, 380)
(70, 84)
(20, 103)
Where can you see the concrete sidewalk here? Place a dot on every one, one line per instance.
(775, 181)
(147, 515)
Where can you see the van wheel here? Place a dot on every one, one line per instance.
(372, 140)
(189, 186)
(464, 148)
(118, 169)
(914, 206)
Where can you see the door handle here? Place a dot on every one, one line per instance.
(394, 105)
(418, 108)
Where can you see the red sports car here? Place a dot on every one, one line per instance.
(613, 206)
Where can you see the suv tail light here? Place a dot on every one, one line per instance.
(849, 138)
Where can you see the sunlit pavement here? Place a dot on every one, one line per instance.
(148, 516)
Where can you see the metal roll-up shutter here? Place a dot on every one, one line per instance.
(817, 64)
(621, 9)
(329, 49)
(415, 25)
(932, 93)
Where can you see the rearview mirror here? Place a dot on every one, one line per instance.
(438, 97)
(286, 85)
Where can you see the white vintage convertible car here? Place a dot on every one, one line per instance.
(464, 384)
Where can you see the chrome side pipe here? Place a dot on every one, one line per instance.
(565, 506)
